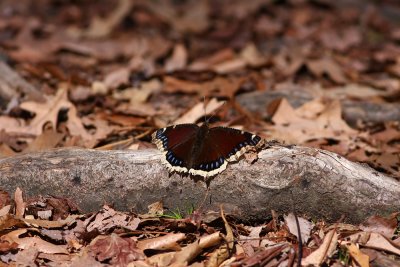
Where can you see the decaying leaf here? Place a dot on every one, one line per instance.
(19, 203)
(326, 249)
(34, 242)
(168, 241)
(358, 256)
(305, 227)
(117, 250)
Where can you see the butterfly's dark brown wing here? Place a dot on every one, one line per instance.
(176, 142)
(222, 145)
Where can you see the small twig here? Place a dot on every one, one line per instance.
(300, 250)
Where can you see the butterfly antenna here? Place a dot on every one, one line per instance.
(215, 111)
(204, 108)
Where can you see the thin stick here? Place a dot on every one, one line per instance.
(300, 250)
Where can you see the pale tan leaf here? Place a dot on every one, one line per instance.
(178, 59)
(34, 242)
(19, 203)
(199, 111)
(224, 251)
(305, 226)
(326, 249)
(378, 241)
(168, 241)
(361, 258)
(46, 112)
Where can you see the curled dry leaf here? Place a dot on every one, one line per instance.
(178, 59)
(34, 242)
(361, 258)
(19, 203)
(189, 252)
(168, 241)
(326, 249)
(225, 250)
(117, 78)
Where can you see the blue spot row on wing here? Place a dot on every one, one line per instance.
(211, 165)
(233, 152)
(162, 137)
(173, 160)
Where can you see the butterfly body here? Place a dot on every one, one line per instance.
(200, 150)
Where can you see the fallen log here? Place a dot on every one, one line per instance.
(322, 184)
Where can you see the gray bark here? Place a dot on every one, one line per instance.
(323, 184)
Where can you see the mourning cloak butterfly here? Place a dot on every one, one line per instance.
(200, 150)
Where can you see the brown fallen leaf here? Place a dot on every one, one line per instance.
(5, 210)
(188, 253)
(199, 111)
(108, 218)
(361, 258)
(19, 203)
(178, 59)
(58, 259)
(27, 257)
(194, 21)
(250, 242)
(34, 242)
(49, 138)
(225, 250)
(373, 240)
(326, 249)
(102, 27)
(327, 66)
(168, 241)
(8, 221)
(161, 259)
(117, 78)
(46, 112)
(263, 257)
(305, 226)
(230, 66)
(303, 124)
(117, 250)
(140, 94)
(381, 225)
(208, 62)
(4, 199)
(378, 241)
(7, 246)
(83, 259)
(50, 224)
(6, 151)
(252, 56)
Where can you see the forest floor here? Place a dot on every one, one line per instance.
(106, 74)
